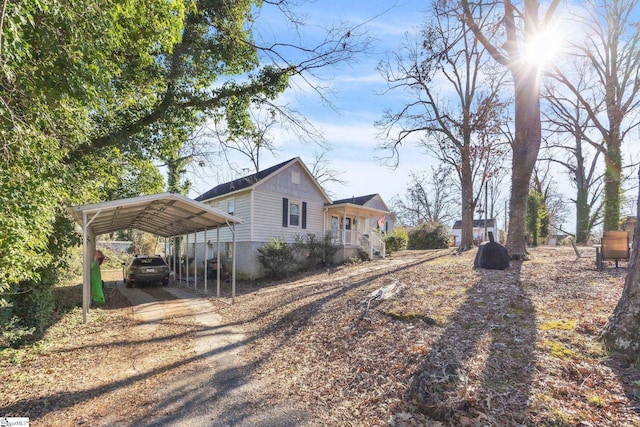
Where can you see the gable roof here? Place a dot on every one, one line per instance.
(477, 223)
(242, 183)
(363, 201)
(360, 200)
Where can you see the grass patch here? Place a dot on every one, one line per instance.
(559, 350)
(410, 316)
(597, 401)
(559, 325)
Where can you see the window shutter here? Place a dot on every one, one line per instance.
(285, 212)
(304, 215)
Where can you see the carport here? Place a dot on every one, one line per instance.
(168, 215)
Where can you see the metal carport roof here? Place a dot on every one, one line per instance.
(166, 215)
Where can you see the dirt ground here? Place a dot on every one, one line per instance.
(444, 344)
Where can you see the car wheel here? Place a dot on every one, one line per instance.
(165, 283)
(129, 284)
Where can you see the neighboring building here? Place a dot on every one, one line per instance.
(478, 231)
(285, 201)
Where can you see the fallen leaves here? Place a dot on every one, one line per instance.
(457, 346)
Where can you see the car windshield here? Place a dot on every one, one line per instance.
(148, 262)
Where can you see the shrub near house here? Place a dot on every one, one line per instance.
(396, 240)
(280, 259)
(429, 236)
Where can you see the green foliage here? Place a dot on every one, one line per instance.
(29, 304)
(91, 96)
(278, 259)
(143, 243)
(429, 236)
(537, 219)
(311, 251)
(12, 332)
(396, 240)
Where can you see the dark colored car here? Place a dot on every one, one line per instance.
(146, 269)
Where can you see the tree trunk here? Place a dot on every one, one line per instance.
(526, 145)
(622, 333)
(468, 204)
(583, 209)
(612, 184)
(583, 214)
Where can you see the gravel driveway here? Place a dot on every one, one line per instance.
(217, 391)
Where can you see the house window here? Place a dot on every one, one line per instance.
(294, 214)
(231, 206)
(347, 223)
(295, 177)
(334, 222)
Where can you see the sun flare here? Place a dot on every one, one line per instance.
(544, 47)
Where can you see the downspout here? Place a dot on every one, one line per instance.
(324, 221)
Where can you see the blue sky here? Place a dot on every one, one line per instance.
(348, 124)
(356, 100)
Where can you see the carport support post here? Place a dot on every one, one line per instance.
(86, 269)
(233, 263)
(206, 260)
(186, 258)
(173, 254)
(195, 261)
(218, 262)
(180, 259)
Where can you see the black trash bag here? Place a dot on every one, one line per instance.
(492, 255)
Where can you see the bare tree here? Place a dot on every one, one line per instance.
(461, 130)
(428, 198)
(519, 26)
(612, 45)
(569, 135)
(610, 48)
(323, 172)
(250, 143)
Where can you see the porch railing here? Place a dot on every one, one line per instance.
(376, 245)
(370, 243)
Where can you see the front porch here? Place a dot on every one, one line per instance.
(356, 228)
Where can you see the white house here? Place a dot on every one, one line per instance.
(478, 230)
(285, 201)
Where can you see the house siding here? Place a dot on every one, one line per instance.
(283, 183)
(376, 203)
(268, 205)
(242, 206)
(268, 218)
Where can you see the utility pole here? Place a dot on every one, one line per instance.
(486, 208)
